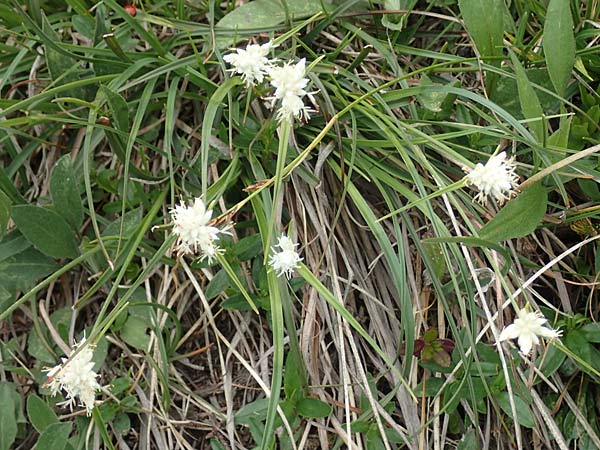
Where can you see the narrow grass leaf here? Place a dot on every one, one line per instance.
(40, 414)
(65, 192)
(559, 44)
(46, 230)
(519, 217)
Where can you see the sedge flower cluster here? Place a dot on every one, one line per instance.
(495, 179)
(76, 377)
(191, 224)
(251, 63)
(286, 259)
(288, 79)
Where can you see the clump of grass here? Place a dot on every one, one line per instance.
(346, 290)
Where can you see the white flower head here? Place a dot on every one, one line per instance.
(191, 225)
(285, 260)
(76, 377)
(252, 63)
(496, 179)
(290, 84)
(527, 328)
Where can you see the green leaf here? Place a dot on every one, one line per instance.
(519, 217)
(484, 22)
(45, 229)
(65, 192)
(434, 253)
(263, 14)
(131, 220)
(550, 361)
(530, 104)
(525, 418)
(218, 284)
(20, 271)
(5, 208)
(37, 348)
(134, 332)
(118, 108)
(40, 414)
(313, 408)
(257, 410)
(592, 332)
(8, 418)
(559, 44)
(293, 382)
(483, 19)
(55, 437)
(469, 441)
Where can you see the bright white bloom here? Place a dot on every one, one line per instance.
(76, 377)
(496, 179)
(191, 225)
(290, 84)
(252, 64)
(527, 328)
(287, 259)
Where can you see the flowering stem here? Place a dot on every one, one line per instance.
(284, 136)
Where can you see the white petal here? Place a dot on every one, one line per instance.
(526, 343)
(510, 332)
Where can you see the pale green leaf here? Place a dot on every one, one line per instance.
(8, 418)
(484, 22)
(55, 437)
(559, 44)
(40, 414)
(5, 208)
(519, 217)
(530, 104)
(134, 333)
(525, 418)
(313, 408)
(260, 14)
(46, 230)
(65, 192)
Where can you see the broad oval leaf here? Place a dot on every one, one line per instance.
(40, 414)
(484, 21)
(20, 271)
(46, 230)
(5, 208)
(530, 104)
(263, 14)
(8, 418)
(55, 437)
(313, 408)
(559, 44)
(519, 217)
(65, 193)
(525, 418)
